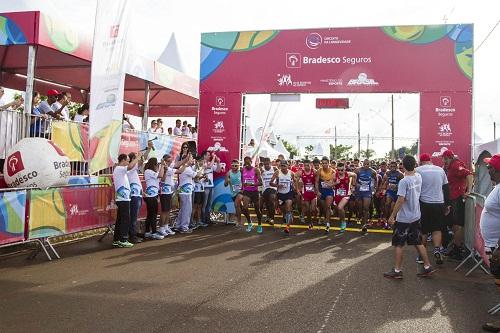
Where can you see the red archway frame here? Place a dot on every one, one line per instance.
(434, 61)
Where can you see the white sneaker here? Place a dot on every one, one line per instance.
(169, 231)
(157, 236)
(163, 231)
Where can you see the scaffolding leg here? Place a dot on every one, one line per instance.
(109, 230)
(52, 248)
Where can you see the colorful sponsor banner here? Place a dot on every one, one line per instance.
(12, 216)
(56, 212)
(107, 81)
(220, 123)
(435, 61)
(17, 28)
(72, 138)
(163, 144)
(426, 58)
(446, 123)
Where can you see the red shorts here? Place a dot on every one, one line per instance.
(339, 198)
(308, 196)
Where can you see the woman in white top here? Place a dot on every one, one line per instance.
(185, 190)
(166, 192)
(152, 175)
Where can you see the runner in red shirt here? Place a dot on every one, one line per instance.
(460, 181)
(345, 184)
(306, 179)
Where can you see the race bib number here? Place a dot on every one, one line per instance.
(236, 188)
(326, 185)
(249, 182)
(309, 188)
(284, 185)
(364, 188)
(341, 192)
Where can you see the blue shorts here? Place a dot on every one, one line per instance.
(363, 195)
(392, 195)
(326, 192)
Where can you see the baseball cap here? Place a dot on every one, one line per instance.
(424, 157)
(52, 92)
(283, 163)
(448, 153)
(494, 161)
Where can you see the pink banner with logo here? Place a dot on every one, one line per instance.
(446, 123)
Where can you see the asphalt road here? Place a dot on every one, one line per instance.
(225, 280)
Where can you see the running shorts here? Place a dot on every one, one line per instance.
(432, 216)
(282, 197)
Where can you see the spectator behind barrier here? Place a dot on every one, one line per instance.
(126, 123)
(60, 105)
(82, 114)
(45, 106)
(153, 127)
(37, 127)
(15, 103)
(177, 128)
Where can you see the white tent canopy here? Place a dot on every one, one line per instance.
(318, 150)
(281, 148)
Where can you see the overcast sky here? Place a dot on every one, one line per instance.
(156, 20)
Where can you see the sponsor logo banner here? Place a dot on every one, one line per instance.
(12, 216)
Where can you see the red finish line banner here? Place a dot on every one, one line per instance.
(332, 103)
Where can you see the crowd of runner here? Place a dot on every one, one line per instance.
(361, 194)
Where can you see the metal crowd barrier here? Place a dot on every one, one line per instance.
(10, 130)
(473, 202)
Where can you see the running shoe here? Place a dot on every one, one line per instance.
(186, 231)
(302, 220)
(343, 225)
(429, 237)
(327, 228)
(364, 230)
(203, 225)
(287, 229)
(249, 227)
(438, 256)
(426, 272)
(259, 229)
(170, 231)
(271, 222)
(124, 244)
(311, 226)
(162, 231)
(419, 260)
(157, 236)
(392, 274)
(147, 235)
(135, 240)
(115, 243)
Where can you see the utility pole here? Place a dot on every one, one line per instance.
(367, 143)
(359, 137)
(393, 153)
(335, 152)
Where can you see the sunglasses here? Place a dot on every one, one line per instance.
(234, 165)
(184, 147)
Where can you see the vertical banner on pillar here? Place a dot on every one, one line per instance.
(109, 59)
(446, 120)
(220, 121)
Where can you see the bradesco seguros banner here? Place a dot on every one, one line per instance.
(435, 61)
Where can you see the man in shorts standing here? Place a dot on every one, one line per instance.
(435, 193)
(306, 183)
(406, 220)
(269, 192)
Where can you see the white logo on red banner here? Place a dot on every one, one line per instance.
(445, 101)
(220, 101)
(293, 60)
(362, 80)
(285, 80)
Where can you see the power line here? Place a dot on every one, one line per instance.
(488, 35)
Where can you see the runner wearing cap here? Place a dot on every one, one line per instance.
(460, 179)
(306, 178)
(434, 204)
(283, 179)
(325, 182)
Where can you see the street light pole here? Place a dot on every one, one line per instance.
(359, 137)
(393, 153)
(335, 152)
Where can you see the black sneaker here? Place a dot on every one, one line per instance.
(419, 260)
(392, 274)
(426, 272)
(311, 226)
(327, 229)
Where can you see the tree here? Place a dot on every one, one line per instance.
(413, 150)
(340, 152)
(291, 149)
(368, 153)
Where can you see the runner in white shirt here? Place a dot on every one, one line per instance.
(185, 190)
(122, 200)
(152, 175)
(269, 192)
